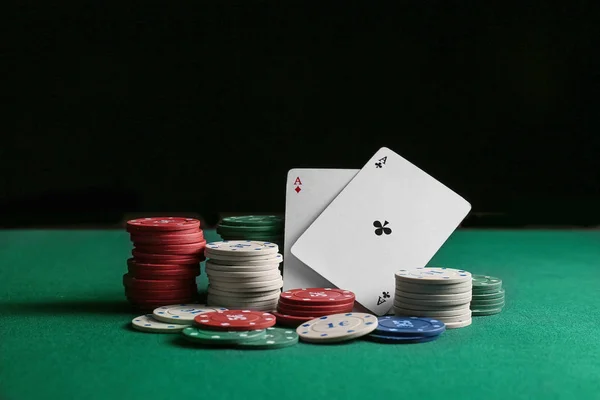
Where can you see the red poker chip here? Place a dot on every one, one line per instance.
(148, 293)
(132, 262)
(318, 296)
(131, 282)
(156, 274)
(282, 308)
(290, 320)
(176, 249)
(311, 306)
(162, 224)
(311, 313)
(160, 295)
(152, 304)
(235, 320)
(166, 258)
(162, 239)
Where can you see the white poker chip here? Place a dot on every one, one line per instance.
(240, 279)
(433, 302)
(337, 327)
(245, 274)
(266, 295)
(182, 313)
(211, 266)
(424, 288)
(234, 260)
(241, 247)
(459, 324)
(458, 318)
(439, 314)
(431, 307)
(146, 323)
(435, 297)
(262, 289)
(273, 283)
(236, 303)
(431, 275)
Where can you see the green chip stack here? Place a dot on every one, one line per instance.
(269, 338)
(488, 295)
(264, 228)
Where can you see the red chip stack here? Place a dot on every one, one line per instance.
(166, 261)
(301, 305)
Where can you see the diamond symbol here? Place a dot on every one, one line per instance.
(297, 189)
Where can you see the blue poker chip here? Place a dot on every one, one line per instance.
(400, 339)
(390, 325)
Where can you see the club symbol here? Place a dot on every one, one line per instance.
(378, 165)
(380, 229)
(386, 295)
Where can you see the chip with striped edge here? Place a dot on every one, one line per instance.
(237, 320)
(337, 328)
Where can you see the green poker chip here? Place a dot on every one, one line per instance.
(488, 303)
(262, 230)
(481, 313)
(253, 220)
(204, 336)
(276, 338)
(486, 283)
(485, 307)
(488, 296)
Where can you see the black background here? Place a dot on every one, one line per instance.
(139, 108)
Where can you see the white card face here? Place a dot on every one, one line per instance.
(308, 192)
(392, 215)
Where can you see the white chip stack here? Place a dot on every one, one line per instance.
(440, 293)
(243, 274)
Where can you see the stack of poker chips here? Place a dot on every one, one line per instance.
(443, 294)
(402, 330)
(166, 261)
(488, 295)
(244, 274)
(297, 306)
(263, 228)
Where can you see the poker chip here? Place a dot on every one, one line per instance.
(486, 282)
(422, 288)
(183, 313)
(459, 324)
(400, 339)
(158, 273)
(241, 248)
(480, 313)
(489, 296)
(225, 288)
(278, 282)
(433, 275)
(436, 297)
(318, 296)
(167, 239)
(146, 323)
(234, 229)
(131, 282)
(312, 313)
(235, 320)
(253, 220)
(430, 307)
(267, 305)
(438, 314)
(458, 318)
(245, 275)
(165, 258)
(275, 338)
(337, 328)
(215, 267)
(246, 260)
(192, 249)
(165, 296)
(409, 326)
(265, 295)
(162, 224)
(434, 302)
(290, 320)
(220, 338)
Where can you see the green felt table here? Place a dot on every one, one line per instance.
(65, 332)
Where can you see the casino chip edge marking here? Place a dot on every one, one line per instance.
(310, 331)
(147, 323)
(170, 313)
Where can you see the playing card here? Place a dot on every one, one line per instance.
(392, 215)
(308, 193)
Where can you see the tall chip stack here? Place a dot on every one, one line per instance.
(443, 294)
(243, 274)
(166, 261)
(263, 228)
